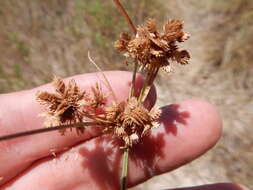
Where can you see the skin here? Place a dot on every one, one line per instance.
(92, 161)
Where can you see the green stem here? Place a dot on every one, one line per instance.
(124, 169)
(44, 130)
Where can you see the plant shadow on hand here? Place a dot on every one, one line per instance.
(103, 161)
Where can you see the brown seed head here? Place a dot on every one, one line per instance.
(130, 120)
(151, 47)
(64, 106)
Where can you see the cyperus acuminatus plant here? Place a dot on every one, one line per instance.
(70, 107)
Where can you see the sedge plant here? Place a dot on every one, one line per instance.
(69, 107)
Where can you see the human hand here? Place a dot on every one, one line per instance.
(188, 129)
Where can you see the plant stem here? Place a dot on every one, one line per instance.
(133, 79)
(44, 130)
(124, 169)
(126, 150)
(149, 80)
(125, 15)
(144, 89)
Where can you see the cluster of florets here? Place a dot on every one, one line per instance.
(63, 107)
(128, 120)
(152, 48)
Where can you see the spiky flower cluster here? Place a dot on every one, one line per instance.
(128, 120)
(66, 105)
(154, 49)
(131, 120)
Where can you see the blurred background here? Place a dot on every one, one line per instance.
(42, 38)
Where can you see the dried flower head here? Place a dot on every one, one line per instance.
(155, 49)
(98, 98)
(130, 120)
(64, 106)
